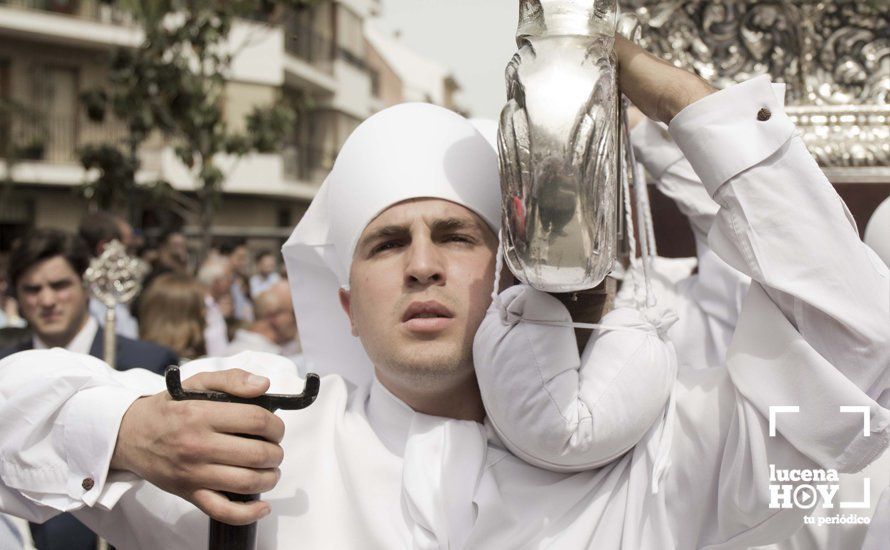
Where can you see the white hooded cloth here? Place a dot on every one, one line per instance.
(391, 157)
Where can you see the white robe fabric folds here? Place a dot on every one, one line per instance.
(362, 470)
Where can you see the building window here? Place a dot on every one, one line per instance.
(53, 128)
(350, 36)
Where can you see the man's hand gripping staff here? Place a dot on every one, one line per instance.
(215, 444)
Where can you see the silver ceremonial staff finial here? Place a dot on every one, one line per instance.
(114, 278)
(559, 145)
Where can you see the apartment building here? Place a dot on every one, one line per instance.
(404, 75)
(53, 50)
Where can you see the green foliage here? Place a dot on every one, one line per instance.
(174, 84)
(116, 174)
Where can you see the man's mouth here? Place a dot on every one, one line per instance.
(430, 316)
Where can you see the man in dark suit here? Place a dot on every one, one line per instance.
(46, 269)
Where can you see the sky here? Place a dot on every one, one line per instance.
(474, 38)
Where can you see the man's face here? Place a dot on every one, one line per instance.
(222, 285)
(239, 259)
(266, 264)
(283, 320)
(177, 247)
(420, 283)
(53, 300)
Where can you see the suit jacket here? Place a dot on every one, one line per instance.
(64, 532)
(131, 354)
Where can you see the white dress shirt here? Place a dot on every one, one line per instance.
(82, 341)
(260, 284)
(216, 339)
(362, 470)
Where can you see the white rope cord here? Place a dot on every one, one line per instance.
(640, 175)
(647, 236)
(623, 178)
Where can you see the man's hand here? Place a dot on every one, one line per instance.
(191, 448)
(656, 87)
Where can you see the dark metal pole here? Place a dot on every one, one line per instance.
(241, 537)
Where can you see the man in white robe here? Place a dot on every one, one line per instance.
(708, 305)
(363, 469)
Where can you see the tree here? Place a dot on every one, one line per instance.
(173, 83)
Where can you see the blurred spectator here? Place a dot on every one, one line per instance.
(97, 230)
(235, 251)
(170, 256)
(172, 313)
(216, 277)
(173, 253)
(100, 228)
(275, 327)
(266, 275)
(9, 308)
(46, 270)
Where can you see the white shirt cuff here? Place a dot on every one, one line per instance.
(732, 130)
(91, 420)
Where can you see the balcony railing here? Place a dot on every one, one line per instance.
(85, 9)
(306, 163)
(304, 42)
(30, 137)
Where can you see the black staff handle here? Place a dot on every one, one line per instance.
(222, 535)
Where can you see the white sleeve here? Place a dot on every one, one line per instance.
(717, 290)
(813, 331)
(559, 411)
(59, 417)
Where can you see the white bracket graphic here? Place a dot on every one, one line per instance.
(866, 416)
(775, 409)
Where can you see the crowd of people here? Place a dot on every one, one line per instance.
(226, 305)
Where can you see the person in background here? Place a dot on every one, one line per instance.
(266, 273)
(173, 314)
(97, 230)
(215, 275)
(46, 270)
(275, 328)
(236, 253)
(9, 308)
(173, 252)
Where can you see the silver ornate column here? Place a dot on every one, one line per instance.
(558, 141)
(834, 57)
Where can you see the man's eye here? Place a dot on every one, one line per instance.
(384, 246)
(458, 238)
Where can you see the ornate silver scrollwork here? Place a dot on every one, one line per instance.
(834, 57)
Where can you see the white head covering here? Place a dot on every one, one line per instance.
(877, 231)
(489, 130)
(408, 151)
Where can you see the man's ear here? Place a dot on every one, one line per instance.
(344, 296)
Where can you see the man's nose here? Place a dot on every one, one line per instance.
(425, 265)
(46, 298)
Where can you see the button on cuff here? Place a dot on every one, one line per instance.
(764, 114)
(721, 135)
(87, 483)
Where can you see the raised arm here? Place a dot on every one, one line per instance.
(814, 330)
